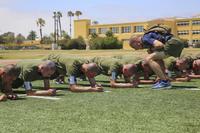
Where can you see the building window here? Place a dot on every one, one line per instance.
(183, 23)
(103, 30)
(126, 29)
(196, 22)
(114, 29)
(195, 41)
(92, 31)
(183, 32)
(195, 31)
(139, 28)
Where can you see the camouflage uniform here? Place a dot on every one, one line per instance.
(170, 64)
(29, 72)
(108, 65)
(68, 66)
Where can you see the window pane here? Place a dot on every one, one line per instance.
(103, 30)
(195, 31)
(183, 32)
(139, 28)
(196, 22)
(183, 23)
(92, 31)
(126, 29)
(115, 29)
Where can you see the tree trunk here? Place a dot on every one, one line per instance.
(55, 31)
(70, 26)
(40, 34)
(60, 28)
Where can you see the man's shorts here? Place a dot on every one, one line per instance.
(174, 47)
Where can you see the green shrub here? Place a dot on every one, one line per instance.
(105, 43)
(197, 45)
(77, 43)
(46, 40)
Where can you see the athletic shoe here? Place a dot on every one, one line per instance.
(158, 82)
(162, 85)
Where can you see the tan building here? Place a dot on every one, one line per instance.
(186, 28)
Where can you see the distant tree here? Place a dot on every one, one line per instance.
(65, 39)
(32, 35)
(19, 39)
(52, 36)
(78, 13)
(108, 42)
(70, 15)
(93, 35)
(1, 39)
(8, 37)
(47, 40)
(77, 43)
(65, 35)
(95, 22)
(109, 33)
(40, 23)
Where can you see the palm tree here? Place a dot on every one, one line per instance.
(70, 15)
(40, 24)
(59, 14)
(55, 27)
(78, 13)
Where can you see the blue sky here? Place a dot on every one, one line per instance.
(20, 16)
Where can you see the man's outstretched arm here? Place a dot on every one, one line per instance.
(75, 88)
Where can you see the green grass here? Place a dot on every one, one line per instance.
(36, 54)
(134, 110)
(139, 110)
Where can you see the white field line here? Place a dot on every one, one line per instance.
(40, 97)
(192, 89)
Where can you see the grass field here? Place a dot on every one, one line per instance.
(35, 54)
(134, 110)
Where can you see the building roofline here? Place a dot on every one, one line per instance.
(82, 20)
(116, 24)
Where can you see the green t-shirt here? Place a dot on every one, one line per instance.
(108, 65)
(68, 65)
(170, 64)
(29, 70)
(130, 59)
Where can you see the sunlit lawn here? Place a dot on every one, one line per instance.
(138, 110)
(133, 110)
(35, 54)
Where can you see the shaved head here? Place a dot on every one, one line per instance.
(129, 69)
(136, 42)
(11, 70)
(183, 63)
(90, 69)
